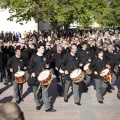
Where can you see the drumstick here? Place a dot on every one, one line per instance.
(39, 88)
(49, 84)
(77, 70)
(110, 79)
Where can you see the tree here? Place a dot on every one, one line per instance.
(115, 11)
(110, 14)
(63, 12)
(54, 11)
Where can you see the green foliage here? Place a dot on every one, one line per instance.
(64, 12)
(110, 14)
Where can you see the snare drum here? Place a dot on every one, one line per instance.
(86, 69)
(77, 76)
(106, 75)
(44, 77)
(20, 77)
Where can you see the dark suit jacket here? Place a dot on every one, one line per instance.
(97, 65)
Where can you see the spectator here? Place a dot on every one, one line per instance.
(17, 36)
(11, 111)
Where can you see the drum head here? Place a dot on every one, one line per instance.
(75, 73)
(19, 73)
(104, 72)
(86, 66)
(43, 75)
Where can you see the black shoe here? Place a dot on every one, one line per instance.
(109, 91)
(17, 102)
(0, 92)
(85, 91)
(112, 88)
(61, 94)
(50, 110)
(38, 107)
(65, 100)
(5, 83)
(118, 96)
(78, 103)
(21, 100)
(101, 102)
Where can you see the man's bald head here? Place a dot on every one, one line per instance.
(11, 111)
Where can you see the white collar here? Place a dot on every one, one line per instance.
(72, 54)
(101, 58)
(84, 49)
(111, 51)
(17, 56)
(39, 54)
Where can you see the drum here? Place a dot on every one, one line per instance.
(106, 75)
(77, 75)
(86, 69)
(20, 77)
(44, 77)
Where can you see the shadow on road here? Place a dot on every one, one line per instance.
(5, 88)
(27, 92)
(6, 99)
